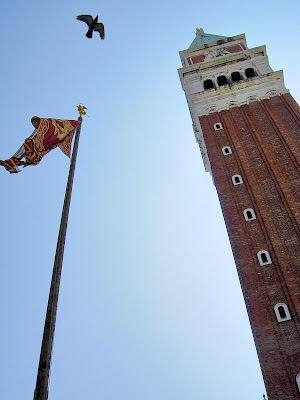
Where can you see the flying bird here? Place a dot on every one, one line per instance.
(93, 25)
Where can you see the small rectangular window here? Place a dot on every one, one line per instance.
(218, 126)
(264, 257)
(226, 150)
(237, 180)
(282, 312)
(249, 215)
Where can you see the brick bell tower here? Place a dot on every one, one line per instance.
(248, 129)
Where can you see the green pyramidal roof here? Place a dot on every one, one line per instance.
(204, 38)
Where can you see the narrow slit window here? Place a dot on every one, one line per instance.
(226, 150)
(249, 214)
(282, 312)
(264, 257)
(237, 180)
(218, 126)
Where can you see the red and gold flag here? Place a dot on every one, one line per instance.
(48, 134)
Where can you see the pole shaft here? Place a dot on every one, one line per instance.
(41, 388)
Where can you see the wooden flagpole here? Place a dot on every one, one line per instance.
(42, 380)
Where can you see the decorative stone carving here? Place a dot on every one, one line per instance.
(210, 54)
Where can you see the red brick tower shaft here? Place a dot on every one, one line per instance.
(248, 129)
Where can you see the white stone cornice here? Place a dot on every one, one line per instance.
(223, 60)
(236, 94)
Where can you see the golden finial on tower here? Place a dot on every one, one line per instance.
(199, 31)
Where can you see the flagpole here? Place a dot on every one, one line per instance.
(42, 381)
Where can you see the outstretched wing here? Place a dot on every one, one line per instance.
(88, 19)
(100, 28)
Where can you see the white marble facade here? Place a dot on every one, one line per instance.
(219, 62)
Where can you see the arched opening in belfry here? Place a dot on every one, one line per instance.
(250, 73)
(236, 76)
(222, 80)
(208, 84)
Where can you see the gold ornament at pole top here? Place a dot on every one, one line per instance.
(81, 109)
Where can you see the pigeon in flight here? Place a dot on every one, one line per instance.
(93, 25)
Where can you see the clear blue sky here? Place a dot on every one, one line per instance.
(150, 305)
